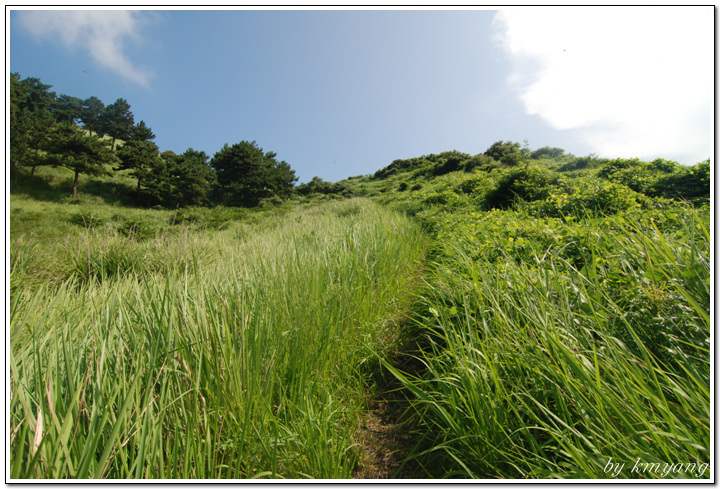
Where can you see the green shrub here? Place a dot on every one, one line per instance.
(445, 198)
(421, 164)
(543, 367)
(547, 152)
(660, 178)
(274, 200)
(613, 166)
(204, 218)
(101, 259)
(526, 184)
(349, 210)
(685, 183)
(665, 166)
(474, 185)
(588, 199)
(500, 149)
(134, 229)
(140, 226)
(481, 162)
(582, 163)
(450, 162)
(86, 219)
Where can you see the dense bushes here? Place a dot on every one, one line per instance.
(527, 184)
(587, 197)
(586, 186)
(319, 186)
(547, 152)
(400, 165)
(660, 178)
(582, 163)
(686, 183)
(481, 162)
(433, 165)
(543, 339)
(574, 311)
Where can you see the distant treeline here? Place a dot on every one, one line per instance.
(88, 137)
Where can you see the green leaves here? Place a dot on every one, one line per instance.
(558, 333)
(587, 198)
(71, 148)
(117, 120)
(247, 175)
(142, 157)
(660, 178)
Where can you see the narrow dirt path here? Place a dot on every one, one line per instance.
(385, 432)
(384, 442)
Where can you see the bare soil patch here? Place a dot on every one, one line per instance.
(385, 442)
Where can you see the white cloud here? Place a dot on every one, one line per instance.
(100, 32)
(633, 82)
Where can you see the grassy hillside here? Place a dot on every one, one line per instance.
(239, 353)
(546, 319)
(565, 320)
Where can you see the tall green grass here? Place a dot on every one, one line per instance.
(240, 353)
(542, 369)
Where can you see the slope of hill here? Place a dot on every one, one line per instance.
(565, 321)
(558, 325)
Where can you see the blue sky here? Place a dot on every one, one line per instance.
(338, 93)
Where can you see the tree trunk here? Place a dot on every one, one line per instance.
(37, 157)
(74, 195)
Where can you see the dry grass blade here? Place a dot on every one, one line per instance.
(37, 439)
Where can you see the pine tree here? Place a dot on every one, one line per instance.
(247, 175)
(118, 121)
(91, 115)
(71, 148)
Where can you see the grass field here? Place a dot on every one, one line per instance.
(566, 336)
(551, 344)
(541, 369)
(193, 353)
